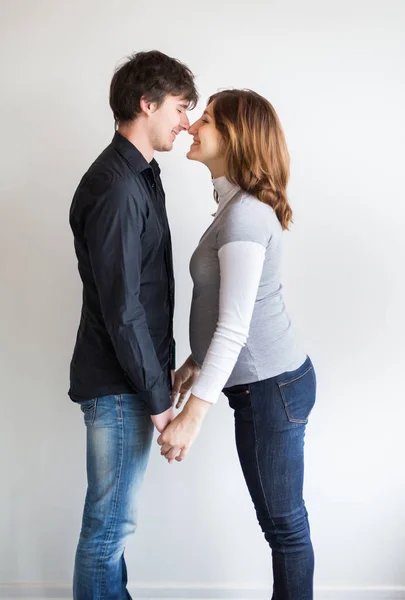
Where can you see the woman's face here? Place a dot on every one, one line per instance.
(208, 146)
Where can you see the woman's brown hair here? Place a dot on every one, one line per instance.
(256, 152)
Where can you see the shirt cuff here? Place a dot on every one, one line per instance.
(206, 389)
(157, 401)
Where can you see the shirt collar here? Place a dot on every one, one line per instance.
(136, 160)
(226, 190)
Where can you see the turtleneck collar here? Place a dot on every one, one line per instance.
(225, 190)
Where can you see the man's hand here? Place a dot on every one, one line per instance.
(162, 421)
(184, 379)
(178, 437)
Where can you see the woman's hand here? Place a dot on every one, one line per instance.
(180, 434)
(184, 379)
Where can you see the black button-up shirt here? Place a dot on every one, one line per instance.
(122, 241)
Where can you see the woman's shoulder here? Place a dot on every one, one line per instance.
(248, 219)
(249, 208)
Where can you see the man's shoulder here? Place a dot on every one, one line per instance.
(109, 173)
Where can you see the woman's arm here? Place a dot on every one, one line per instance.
(241, 266)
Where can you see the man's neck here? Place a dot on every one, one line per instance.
(135, 133)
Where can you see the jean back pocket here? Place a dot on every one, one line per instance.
(298, 394)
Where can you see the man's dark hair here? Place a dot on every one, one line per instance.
(153, 75)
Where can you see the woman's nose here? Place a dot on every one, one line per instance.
(193, 128)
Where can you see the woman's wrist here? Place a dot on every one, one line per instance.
(192, 364)
(196, 408)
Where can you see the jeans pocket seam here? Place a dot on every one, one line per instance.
(90, 413)
(239, 394)
(118, 400)
(285, 401)
(283, 383)
(289, 417)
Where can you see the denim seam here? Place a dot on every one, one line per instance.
(285, 401)
(289, 417)
(110, 531)
(94, 411)
(283, 383)
(260, 476)
(89, 414)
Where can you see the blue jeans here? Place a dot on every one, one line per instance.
(119, 436)
(270, 421)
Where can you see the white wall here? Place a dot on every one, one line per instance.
(334, 72)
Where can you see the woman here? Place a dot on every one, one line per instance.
(241, 337)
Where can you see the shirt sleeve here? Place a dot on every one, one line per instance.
(241, 266)
(247, 221)
(113, 227)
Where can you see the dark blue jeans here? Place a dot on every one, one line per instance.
(270, 422)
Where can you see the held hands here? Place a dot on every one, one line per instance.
(179, 435)
(182, 381)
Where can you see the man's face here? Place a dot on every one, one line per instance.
(167, 122)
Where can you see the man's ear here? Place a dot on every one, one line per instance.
(147, 107)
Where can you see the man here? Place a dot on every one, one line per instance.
(124, 354)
